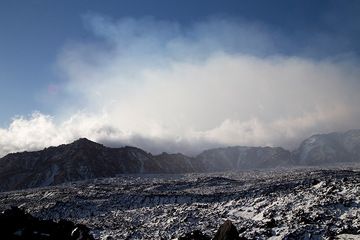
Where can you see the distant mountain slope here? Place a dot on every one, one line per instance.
(237, 158)
(176, 163)
(84, 159)
(322, 149)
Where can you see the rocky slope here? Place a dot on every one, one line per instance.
(80, 160)
(323, 149)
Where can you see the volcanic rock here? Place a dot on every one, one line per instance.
(16, 224)
(227, 231)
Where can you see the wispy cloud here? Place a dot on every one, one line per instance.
(166, 87)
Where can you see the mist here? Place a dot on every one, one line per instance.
(162, 86)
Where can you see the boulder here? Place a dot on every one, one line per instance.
(227, 231)
(18, 225)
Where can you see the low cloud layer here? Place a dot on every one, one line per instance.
(164, 87)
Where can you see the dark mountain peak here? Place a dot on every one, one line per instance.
(84, 142)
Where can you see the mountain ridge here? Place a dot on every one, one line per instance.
(84, 159)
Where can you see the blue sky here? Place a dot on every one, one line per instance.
(46, 47)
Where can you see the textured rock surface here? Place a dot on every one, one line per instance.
(227, 231)
(286, 204)
(195, 235)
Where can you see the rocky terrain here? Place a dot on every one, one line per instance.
(84, 159)
(297, 203)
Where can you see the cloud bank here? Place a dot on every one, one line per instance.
(165, 87)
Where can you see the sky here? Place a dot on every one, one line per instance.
(177, 76)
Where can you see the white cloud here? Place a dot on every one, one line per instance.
(39, 130)
(161, 86)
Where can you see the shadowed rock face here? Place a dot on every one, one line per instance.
(18, 225)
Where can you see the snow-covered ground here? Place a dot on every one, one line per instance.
(273, 204)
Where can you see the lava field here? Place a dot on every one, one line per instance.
(298, 203)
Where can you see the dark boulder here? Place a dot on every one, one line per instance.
(195, 235)
(18, 225)
(227, 231)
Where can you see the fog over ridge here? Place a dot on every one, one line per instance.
(161, 86)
